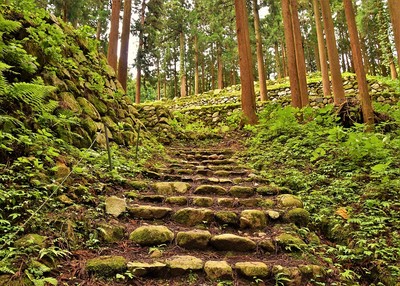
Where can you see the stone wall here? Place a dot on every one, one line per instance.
(231, 95)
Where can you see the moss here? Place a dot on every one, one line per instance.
(106, 266)
(88, 108)
(68, 101)
(290, 242)
(151, 235)
(31, 240)
(299, 216)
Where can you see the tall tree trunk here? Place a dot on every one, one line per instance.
(220, 67)
(158, 80)
(365, 99)
(140, 53)
(364, 51)
(300, 60)
(337, 81)
(112, 57)
(123, 55)
(182, 72)
(291, 54)
(203, 74)
(260, 59)
(212, 69)
(98, 29)
(246, 63)
(285, 67)
(196, 65)
(278, 61)
(326, 85)
(394, 11)
(316, 57)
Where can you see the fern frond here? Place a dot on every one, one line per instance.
(8, 26)
(7, 118)
(33, 95)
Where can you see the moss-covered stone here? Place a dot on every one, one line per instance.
(253, 269)
(299, 216)
(192, 216)
(197, 239)
(163, 188)
(202, 201)
(268, 245)
(227, 217)
(312, 271)
(226, 202)
(68, 101)
(287, 200)
(179, 265)
(290, 242)
(180, 187)
(98, 104)
(149, 212)
(210, 190)
(253, 219)
(140, 269)
(88, 108)
(241, 192)
(106, 266)
(218, 270)
(137, 185)
(151, 235)
(111, 232)
(231, 242)
(179, 201)
(31, 240)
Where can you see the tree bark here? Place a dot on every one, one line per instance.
(220, 67)
(300, 60)
(182, 64)
(139, 54)
(365, 99)
(123, 55)
(112, 57)
(196, 65)
(333, 55)
(394, 11)
(245, 63)
(260, 58)
(326, 85)
(291, 55)
(277, 61)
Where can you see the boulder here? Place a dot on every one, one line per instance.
(290, 201)
(298, 216)
(231, 242)
(253, 269)
(179, 265)
(210, 190)
(241, 192)
(192, 216)
(254, 219)
(196, 239)
(218, 270)
(115, 206)
(152, 235)
(106, 266)
(139, 269)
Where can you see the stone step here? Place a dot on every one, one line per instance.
(244, 219)
(245, 269)
(178, 151)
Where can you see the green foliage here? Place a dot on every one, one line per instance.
(348, 179)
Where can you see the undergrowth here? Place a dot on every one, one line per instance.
(348, 179)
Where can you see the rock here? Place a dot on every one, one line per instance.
(312, 271)
(149, 212)
(192, 216)
(241, 192)
(32, 239)
(178, 265)
(218, 270)
(197, 239)
(203, 201)
(163, 188)
(106, 266)
(267, 245)
(253, 269)
(253, 219)
(290, 242)
(210, 190)
(115, 206)
(88, 108)
(65, 200)
(180, 188)
(139, 269)
(227, 217)
(62, 171)
(231, 242)
(273, 214)
(68, 101)
(298, 216)
(287, 200)
(180, 201)
(226, 202)
(111, 232)
(151, 235)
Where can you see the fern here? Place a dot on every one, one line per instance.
(33, 95)
(13, 120)
(3, 81)
(8, 26)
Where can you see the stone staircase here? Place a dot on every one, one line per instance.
(204, 218)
